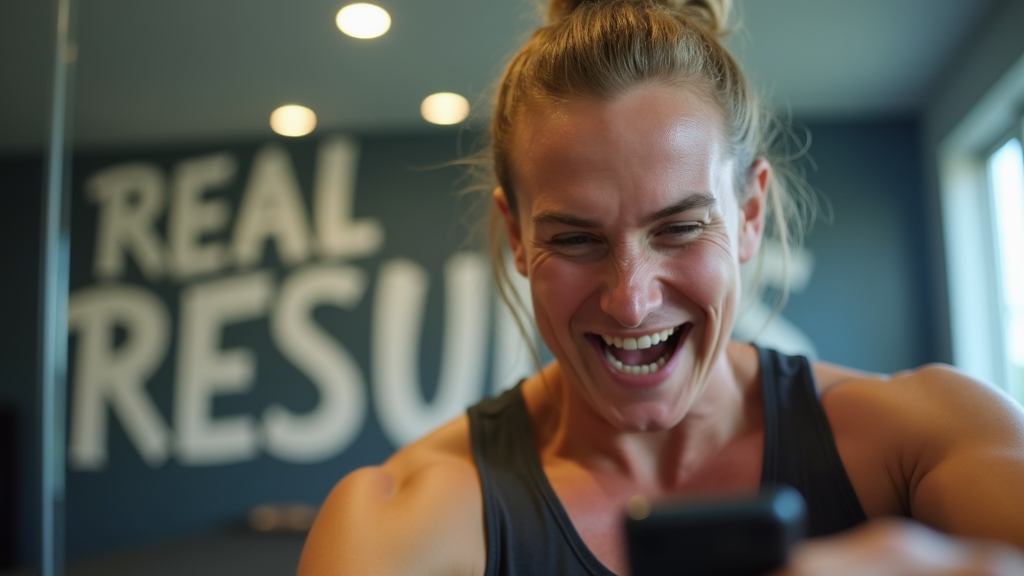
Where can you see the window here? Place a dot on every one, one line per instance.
(1006, 187)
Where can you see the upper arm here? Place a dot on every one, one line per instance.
(375, 522)
(971, 479)
(934, 445)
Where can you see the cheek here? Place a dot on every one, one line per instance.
(558, 287)
(559, 291)
(705, 275)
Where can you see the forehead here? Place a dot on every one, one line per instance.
(653, 143)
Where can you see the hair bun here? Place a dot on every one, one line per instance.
(713, 15)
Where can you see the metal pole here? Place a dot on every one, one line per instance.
(53, 313)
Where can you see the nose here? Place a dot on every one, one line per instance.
(633, 291)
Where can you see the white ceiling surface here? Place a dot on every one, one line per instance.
(193, 70)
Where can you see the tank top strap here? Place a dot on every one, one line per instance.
(528, 532)
(800, 450)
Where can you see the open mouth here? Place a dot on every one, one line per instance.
(644, 354)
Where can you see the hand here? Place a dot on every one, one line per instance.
(895, 547)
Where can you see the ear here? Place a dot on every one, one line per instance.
(515, 233)
(754, 209)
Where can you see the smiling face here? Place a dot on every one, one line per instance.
(630, 230)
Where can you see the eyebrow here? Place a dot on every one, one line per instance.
(699, 200)
(556, 217)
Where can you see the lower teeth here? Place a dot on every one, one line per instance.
(635, 370)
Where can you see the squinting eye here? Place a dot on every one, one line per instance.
(571, 241)
(683, 229)
(575, 244)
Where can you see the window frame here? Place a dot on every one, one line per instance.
(970, 233)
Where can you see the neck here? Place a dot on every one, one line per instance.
(661, 462)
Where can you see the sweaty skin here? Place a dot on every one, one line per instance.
(628, 224)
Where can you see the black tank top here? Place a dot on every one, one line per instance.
(530, 533)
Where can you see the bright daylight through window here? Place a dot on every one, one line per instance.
(1006, 175)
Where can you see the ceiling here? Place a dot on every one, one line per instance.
(194, 70)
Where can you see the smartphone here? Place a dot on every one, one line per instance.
(734, 537)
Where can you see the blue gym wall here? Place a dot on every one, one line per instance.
(868, 300)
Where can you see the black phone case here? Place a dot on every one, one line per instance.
(717, 538)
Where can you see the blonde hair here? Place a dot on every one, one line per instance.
(602, 49)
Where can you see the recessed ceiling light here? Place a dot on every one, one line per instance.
(444, 108)
(363, 20)
(293, 120)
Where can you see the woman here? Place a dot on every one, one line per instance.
(633, 180)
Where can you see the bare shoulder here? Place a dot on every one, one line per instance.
(932, 397)
(419, 513)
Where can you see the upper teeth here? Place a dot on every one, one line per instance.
(640, 343)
